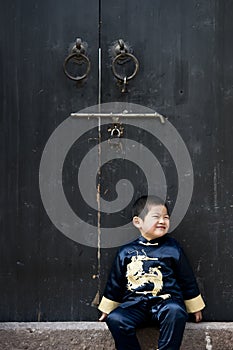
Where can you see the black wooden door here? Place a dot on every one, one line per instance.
(185, 55)
(44, 275)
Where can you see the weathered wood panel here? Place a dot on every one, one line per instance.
(185, 54)
(44, 275)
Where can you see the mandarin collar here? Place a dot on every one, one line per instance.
(152, 242)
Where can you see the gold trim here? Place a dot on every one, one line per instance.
(195, 304)
(107, 305)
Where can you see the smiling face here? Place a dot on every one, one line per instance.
(155, 224)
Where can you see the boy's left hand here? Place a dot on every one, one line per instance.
(198, 316)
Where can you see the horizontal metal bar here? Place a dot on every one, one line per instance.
(120, 115)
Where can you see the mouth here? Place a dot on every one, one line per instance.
(161, 227)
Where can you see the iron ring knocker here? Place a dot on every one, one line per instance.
(120, 57)
(79, 57)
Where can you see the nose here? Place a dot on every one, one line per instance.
(161, 219)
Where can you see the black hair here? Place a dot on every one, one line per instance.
(143, 204)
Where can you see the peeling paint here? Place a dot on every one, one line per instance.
(96, 300)
(215, 189)
(208, 341)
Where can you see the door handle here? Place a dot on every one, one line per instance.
(122, 56)
(78, 57)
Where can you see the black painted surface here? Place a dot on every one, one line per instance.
(185, 53)
(44, 275)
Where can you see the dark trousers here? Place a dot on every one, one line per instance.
(168, 314)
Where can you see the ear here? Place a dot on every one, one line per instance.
(137, 221)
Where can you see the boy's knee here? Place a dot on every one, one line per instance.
(117, 321)
(175, 311)
(113, 319)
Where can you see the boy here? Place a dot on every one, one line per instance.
(150, 281)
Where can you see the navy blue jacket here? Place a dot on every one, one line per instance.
(156, 268)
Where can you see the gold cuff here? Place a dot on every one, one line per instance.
(195, 304)
(106, 305)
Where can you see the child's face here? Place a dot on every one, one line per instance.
(155, 224)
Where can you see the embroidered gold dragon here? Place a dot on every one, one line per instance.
(137, 277)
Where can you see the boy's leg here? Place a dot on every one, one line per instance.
(172, 318)
(122, 323)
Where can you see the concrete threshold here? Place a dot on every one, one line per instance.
(94, 335)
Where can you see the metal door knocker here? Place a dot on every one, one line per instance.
(78, 57)
(122, 54)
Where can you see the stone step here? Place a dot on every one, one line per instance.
(94, 335)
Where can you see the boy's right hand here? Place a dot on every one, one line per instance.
(103, 316)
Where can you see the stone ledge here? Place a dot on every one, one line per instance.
(94, 335)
